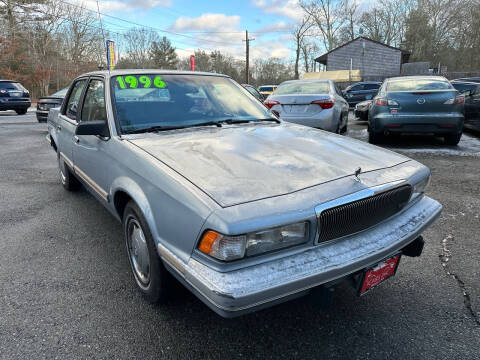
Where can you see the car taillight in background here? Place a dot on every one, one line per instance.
(385, 102)
(269, 103)
(324, 103)
(458, 100)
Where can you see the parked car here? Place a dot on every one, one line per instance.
(44, 104)
(13, 96)
(417, 104)
(254, 92)
(361, 110)
(361, 91)
(266, 90)
(243, 209)
(471, 92)
(315, 103)
(469, 79)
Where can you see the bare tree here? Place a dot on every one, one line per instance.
(327, 15)
(299, 33)
(138, 42)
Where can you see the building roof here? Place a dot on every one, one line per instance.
(322, 59)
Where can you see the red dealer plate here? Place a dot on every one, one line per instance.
(378, 273)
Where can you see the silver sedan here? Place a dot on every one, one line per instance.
(314, 103)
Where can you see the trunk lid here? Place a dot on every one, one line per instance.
(298, 105)
(423, 101)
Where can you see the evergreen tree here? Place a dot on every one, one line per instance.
(163, 54)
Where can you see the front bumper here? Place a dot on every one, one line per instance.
(245, 290)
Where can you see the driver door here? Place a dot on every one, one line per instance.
(89, 152)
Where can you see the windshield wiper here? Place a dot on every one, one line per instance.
(152, 129)
(170, 127)
(244, 121)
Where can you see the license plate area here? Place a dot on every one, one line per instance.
(374, 275)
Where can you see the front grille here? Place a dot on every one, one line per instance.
(361, 214)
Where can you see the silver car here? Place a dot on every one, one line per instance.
(243, 209)
(315, 103)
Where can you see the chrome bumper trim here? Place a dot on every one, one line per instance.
(263, 283)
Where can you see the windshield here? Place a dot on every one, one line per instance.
(418, 84)
(303, 87)
(148, 100)
(61, 93)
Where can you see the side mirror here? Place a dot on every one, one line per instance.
(97, 127)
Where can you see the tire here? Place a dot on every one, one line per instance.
(376, 138)
(21, 111)
(41, 120)
(68, 180)
(452, 139)
(148, 270)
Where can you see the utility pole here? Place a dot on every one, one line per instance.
(247, 57)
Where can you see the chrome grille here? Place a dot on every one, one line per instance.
(361, 214)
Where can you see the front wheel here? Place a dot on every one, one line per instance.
(452, 139)
(69, 181)
(149, 273)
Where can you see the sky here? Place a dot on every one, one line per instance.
(209, 25)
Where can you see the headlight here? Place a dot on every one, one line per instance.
(228, 248)
(419, 188)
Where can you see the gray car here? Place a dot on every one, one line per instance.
(244, 210)
(316, 103)
(417, 104)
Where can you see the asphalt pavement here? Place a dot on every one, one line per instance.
(66, 290)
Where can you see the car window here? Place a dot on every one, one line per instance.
(418, 84)
(337, 89)
(252, 91)
(147, 100)
(303, 87)
(372, 86)
(61, 93)
(94, 104)
(463, 87)
(74, 98)
(11, 85)
(357, 87)
(266, 88)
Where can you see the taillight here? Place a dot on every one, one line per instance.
(324, 103)
(458, 100)
(385, 102)
(269, 103)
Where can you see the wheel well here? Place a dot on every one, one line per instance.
(120, 200)
(53, 144)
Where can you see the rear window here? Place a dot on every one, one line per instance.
(302, 87)
(61, 93)
(463, 87)
(266, 88)
(10, 85)
(418, 84)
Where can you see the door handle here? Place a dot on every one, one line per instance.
(76, 139)
(59, 127)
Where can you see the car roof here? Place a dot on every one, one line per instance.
(464, 82)
(266, 85)
(433, 77)
(111, 73)
(306, 80)
(6, 80)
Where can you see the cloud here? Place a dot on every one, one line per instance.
(223, 33)
(208, 21)
(286, 8)
(274, 27)
(123, 5)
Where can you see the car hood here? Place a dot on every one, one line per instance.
(238, 164)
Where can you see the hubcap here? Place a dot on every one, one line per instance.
(138, 251)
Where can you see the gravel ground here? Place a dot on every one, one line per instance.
(66, 290)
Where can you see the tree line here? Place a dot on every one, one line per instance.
(46, 43)
(445, 32)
